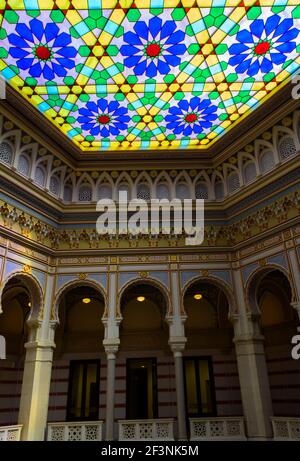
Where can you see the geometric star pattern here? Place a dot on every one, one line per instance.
(148, 74)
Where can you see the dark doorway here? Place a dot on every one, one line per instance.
(83, 395)
(141, 389)
(199, 387)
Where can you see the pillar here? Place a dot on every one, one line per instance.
(252, 367)
(35, 390)
(177, 346)
(255, 387)
(295, 272)
(111, 349)
(36, 382)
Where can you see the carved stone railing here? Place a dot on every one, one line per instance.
(220, 428)
(77, 431)
(146, 429)
(286, 428)
(10, 433)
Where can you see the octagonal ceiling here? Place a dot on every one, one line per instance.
(148, 74)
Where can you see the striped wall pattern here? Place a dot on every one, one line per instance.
(228, 397)
(284, 378)
(11, 374)
(227, 385)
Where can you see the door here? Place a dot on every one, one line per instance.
(199, 387)
(141, 401)
(83, 394)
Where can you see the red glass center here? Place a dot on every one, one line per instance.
(42, 52)
(191, 118)
(262, 48)
(103, 119)
(153, 50)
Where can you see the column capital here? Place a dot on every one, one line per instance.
(177, 345)
(111, 346)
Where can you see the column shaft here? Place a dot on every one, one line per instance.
(181, 415)
(110, 396)
(35, 391)
(255, 387)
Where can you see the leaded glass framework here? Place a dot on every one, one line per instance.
(149, 74)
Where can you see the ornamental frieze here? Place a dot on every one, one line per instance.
(265, 218)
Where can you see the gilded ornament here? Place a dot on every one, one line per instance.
(8, 125)
(262, 262)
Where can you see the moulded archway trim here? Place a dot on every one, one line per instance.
(74, 284)
(232, 311)
(254, 281)
(35, 290)
(146, 281)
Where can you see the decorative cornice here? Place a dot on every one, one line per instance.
(262, 220)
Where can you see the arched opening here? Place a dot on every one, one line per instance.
(85, 193)
(40, 176)
(162, 191)
(79, 358)
(182, 191)
(145, 379)
(286, 148)
(233, 182)
(6, 153)
(23, 166)
(201, 191)
(278, 322)
(266, 161)
(143, 192)
(219, 189)
(249, 171)
(104, 191)
(210, 367)
(16, 304)
(54, 186)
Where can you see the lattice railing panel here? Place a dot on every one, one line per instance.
(217, 428)
(77, 431)
(148, 429)
(286, 428)
(10, 433)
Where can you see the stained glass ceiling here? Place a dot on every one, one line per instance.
(148, 74)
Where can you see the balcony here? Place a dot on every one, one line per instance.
(10, 433)
(147, 429)
(227, 428)
(77, 431)
(286, 428)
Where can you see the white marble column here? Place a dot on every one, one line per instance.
(295, 270)
(177, 346)
(34, 400)
(294, 264)
(111, 348)
(111, 344)
(255, 387)
(35, 389)
(252, 367)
